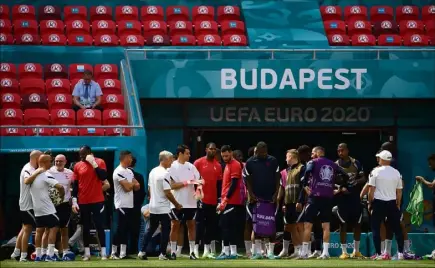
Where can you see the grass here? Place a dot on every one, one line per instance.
(242, 263)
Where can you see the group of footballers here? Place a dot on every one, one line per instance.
(217, 194)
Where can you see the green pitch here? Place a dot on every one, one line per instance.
(153, 262)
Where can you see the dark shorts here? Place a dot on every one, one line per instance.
(291, 216)
(318, 206)
(47, 221)
(185, 214)
(231, 216)
(63, 211)
(350, 211)
(28, 217)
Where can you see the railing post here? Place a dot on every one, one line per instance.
(208, 54)
(145, 54)
(272, 55)
(314, 54)
(378, 57)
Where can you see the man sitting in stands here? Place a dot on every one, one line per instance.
(87, 93)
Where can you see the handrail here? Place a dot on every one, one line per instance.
(125, 93)
(70, 126)
(55, 150)
(133, 85)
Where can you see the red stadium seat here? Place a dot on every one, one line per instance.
(416, 40)
(234, 40)
(49, 13)
(87, 117)
(205, 27)
(411, 27)
(6, 39)
(390, 40)
(331, 13)
(407, 13)
(232, 27)
(110, 86)
(363, 40)
(90, 131)
(9, 85)
(27, 39)
(55, 70)
(116, 131)
(65, 131)
(132, 40)
(228, 13)
(106, 40)
(74, 82)
(13, 131)
(177, 13)
(54, 40)
(158, 40)
(58, 85)
(129, 27)
(11, 117)
(180, 27)
(80, 40)
(65, 116)
(10, 100)
(209, 40)
(100, 27)
(334, 27)
(76, 70)
(23, 12)
(428, 13)
(59, 101)
(5, 26)
(30, 70)
(77, 27)
(113, 117)
(32, 85)
(52, 27)
(25, 26)
(352, 13)
(126, 13)
(359, 27)
(338, 40)
(112, 101)
(106, 71)
(101, 13)
(430, 28)
(183, 40)
(34, 101)
(5, 12)
(201, 13)
(38, 131)
(148, 13)
(75, 13)
(154, 27)
(8, 70)
(381, 13)
(385, 27)
(36, 117)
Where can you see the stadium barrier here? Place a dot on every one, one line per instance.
(421, 243)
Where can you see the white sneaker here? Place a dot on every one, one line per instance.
(400, 256)
(294, 255)
(104, 258)
(23, 260)
(86, 258)
(283, 254)
(141, 254)
(196, 252)
(323, 257)
(14, 257)
(163, 257)
(314, 255)
(302, 257)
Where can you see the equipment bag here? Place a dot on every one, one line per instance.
(263, 219)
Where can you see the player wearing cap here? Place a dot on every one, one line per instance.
(184, 176)
(124, 184)
(385, 195)
(45, 212)
(87, 197)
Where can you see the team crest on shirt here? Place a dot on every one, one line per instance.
(228, 10)
(89, 113)
(407, 10)
(127, 10)
(63, 113)
(111, 98)
(330, 10)
(30, 67)
(114, 114)
(4, 67)
(202, 10)
(10, 113)
(326, 173)
(23, 9)
(235, 39)
(34, 98)
(205, 25)
(102, 24)
(386, 24)
(100, 10)
(109, 83)
(152, 10)
(158, 39)
(180, 25)
(49, 9)
(8, 97)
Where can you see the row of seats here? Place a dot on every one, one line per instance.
(126, 40)
(378, 13)
(49, 12)
(54, 101)
(65, 131)
(382, 40)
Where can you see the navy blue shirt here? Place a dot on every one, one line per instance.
(263, 173)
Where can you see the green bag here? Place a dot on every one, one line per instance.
(416, 206)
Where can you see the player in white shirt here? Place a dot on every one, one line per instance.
(124, 184)
(26, 206)
(45, 211)
(385, 195)
(63, 210)
(161, 199)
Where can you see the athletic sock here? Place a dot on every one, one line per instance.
(50, 250)
(344, 248)
(406, 246)
(192, 247)
(257, 247)
(388, 244)
(382, 246)
(325, 249)
(297, 250)
(248, 247)
(355, 246)
(223, 246)
(114, 249)
(123, 251)
(285, 245)
(23, 255)
(206, 249)
(17, 251)
(309, 247)
(271, 249)
(233, 249)
(87, 251)
(38, 252)
(44, 251)
(196, 249)
(213, 247)
(103, 251)
(304, 248)
(173, 247)
(179, 249)
(227, 250)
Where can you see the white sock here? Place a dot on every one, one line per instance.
(297, 250)
(309, 248)
(87, 252)
(355, 246)
(213, 247)
(344, 248)
(173, 246)
(44, 251)
(304, 248)
(192, 246)
(223, 246)
(179, 249)
(233, 249)
(263, 248)
(227, 250)
(206, 249)
(114, 249)
(103, 251)
(38, 252)
(388, 244)
(23, 255)
(248, 247)
(271, 249)
(253, 249)
(285, 245)
(325, 249)
(50, 250)
(17, 251)
(257, 247)
(382, 246)
(123, 250)
(406, 246)
(196, 248)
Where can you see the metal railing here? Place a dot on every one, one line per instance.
(134, 90)
(272, 52)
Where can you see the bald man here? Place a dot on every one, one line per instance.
(63, 210)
